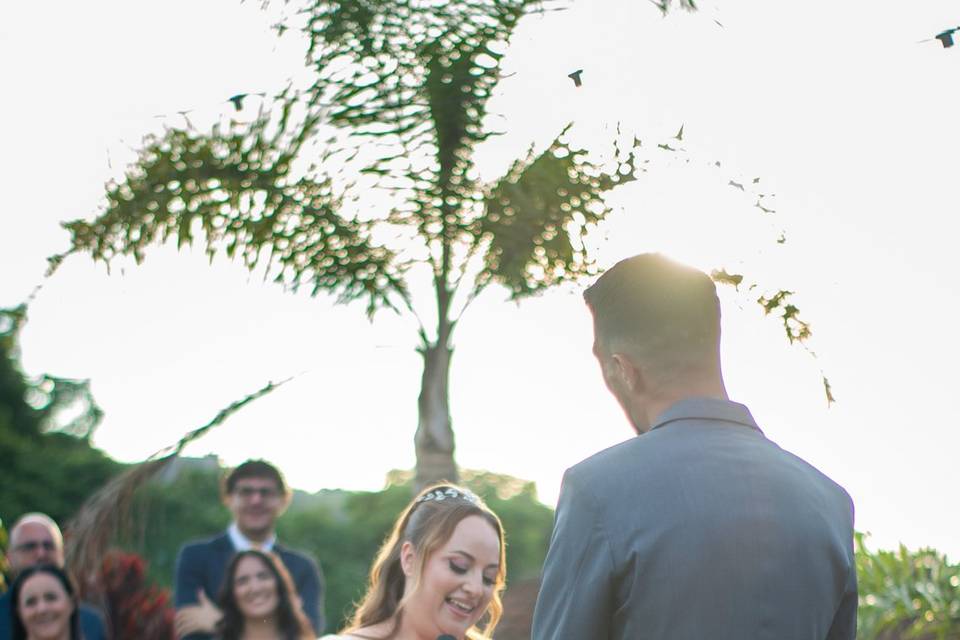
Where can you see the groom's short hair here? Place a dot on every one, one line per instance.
(661, 312)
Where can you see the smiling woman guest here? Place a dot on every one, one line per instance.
(45, 605)
(259, 602)
(441, 572)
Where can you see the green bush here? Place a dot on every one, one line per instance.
(907, 594)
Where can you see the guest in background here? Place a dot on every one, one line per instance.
(258, 601)
(256, 495)
(35, 540)
(45, 605)
(441, 572)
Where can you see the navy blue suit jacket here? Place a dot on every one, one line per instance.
(91, 624)
(203, 565)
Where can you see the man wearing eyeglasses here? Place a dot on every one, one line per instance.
(256, 495)
(35, 539)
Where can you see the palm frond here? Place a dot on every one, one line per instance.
(537, 214)
(416, 75)
(235, 189)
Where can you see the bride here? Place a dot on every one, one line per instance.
(440, 574)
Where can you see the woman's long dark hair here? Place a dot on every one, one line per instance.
(19, 630)
(291, 622)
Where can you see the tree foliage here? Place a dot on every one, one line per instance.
(907, 594)
(48, 462)
(4, 564)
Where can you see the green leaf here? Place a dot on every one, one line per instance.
(536, 215)
(797, 330)
(723, 277)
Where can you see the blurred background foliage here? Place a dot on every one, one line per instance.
(907, 594)
(3, 557)
(46, 423)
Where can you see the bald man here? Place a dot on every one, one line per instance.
(35, 539)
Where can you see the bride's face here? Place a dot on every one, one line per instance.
(457, 582)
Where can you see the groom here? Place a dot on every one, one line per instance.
(700, 527)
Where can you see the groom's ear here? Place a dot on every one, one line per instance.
(630, 375)
(407, 554)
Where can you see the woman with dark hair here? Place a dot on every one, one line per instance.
(44, 605)
(259, 602)
(440, 573)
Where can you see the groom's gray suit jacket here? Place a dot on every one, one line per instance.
(700, 528)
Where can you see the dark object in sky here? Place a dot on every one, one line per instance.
(237, 100)
(736, 185)
(666, 147)
(679, 135)
(184, 113)
(946, 38)
(575, 76)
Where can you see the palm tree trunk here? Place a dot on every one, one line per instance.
(434, 438)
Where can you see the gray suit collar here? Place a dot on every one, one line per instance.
(706, 409)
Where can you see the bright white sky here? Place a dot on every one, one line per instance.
(834, 105)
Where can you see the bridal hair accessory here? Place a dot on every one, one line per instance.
(443, 493)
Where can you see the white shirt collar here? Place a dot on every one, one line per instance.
(243, 543)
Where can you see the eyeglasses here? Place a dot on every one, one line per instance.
(265, 493)
(33, 545)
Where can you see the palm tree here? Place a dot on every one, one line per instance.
(403, 86)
